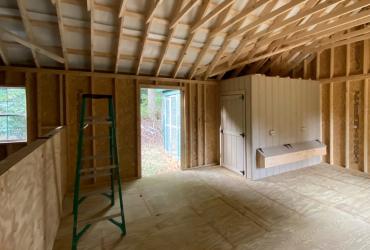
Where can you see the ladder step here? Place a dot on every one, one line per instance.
(95, 175)
(97, 118)
(97, 137)
(102, 168)
(97, 123)
(97, 219)
(96, 191)
(96, 157)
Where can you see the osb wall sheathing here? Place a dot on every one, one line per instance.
(32, 190)
(56, 101)
(346, 61)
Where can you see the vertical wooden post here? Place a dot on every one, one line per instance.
(366, 105)
(61, 100)
(199, 124)
(93, 111)
(191, 127)
(204, 125)
(183, 100)
(348, 54)
(331, 159)
(305, 69)
(38, 98)
(138, 127)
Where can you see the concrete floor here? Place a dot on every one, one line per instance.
(320, 207)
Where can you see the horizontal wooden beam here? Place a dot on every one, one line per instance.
(32, 46)
(101, 74)
(345, 78)
(211, 15)
(187, 8)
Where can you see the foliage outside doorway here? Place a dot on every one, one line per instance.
(160, 139)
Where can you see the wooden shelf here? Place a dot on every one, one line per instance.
(279, 155)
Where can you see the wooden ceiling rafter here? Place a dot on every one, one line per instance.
(255, 36)
(119, 37)
(3, 55)
(171, 32)
(239, 17)
(209, 41)
(246, 38)
(281, 22)
(320, 25)
(91, 9)
(32, 46)
(220, 53)
(278, 23)
(152, 6)
(184, 11)
(211, 15)
(28, 29)
(183, 53)
(61, 32)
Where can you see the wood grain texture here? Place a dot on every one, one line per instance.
(283, 110)
(56, 98)
(31, 194)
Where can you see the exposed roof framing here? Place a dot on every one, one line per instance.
(181, 39)
(28, 28)
(61, 32)
(2, 54)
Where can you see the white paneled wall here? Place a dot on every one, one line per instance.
(278, 111)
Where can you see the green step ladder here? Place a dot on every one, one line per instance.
(111, 170)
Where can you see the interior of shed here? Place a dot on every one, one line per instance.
(195, 124)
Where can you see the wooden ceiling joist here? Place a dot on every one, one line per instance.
(215, 37)
(188, 7)
(283, 9)
(200, 15)
(61, 32)
(151, 8)
(321, 26)
(90, 8)
(2, 54)
(219, 9)
(240, 17)
(32, 46)
(164, 50)
(122, 8)
(28, 29)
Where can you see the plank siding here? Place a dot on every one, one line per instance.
(283, 110)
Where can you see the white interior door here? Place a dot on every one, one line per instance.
(232, 132)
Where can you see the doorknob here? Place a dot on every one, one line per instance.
(242, 135)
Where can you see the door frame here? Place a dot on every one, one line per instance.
(230, 93)
(140, 86)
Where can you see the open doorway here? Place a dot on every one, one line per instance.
(160, 119)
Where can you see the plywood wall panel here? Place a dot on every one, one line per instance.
(212, 122)
(356, 58)
(63, 99)
(73, 99)
(339, 58)
(125, 98)
(339, 113)
(325, 64)
(355, 142)
(48, 101)
(31, 195)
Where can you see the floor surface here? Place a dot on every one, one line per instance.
(320, 207)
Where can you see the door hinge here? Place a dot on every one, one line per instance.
(222, 131)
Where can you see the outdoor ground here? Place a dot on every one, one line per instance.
(154, 159)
